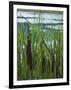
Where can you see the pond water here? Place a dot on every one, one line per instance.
(48, 19)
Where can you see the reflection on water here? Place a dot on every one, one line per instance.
(47, 19)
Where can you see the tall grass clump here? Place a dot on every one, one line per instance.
(46, 49)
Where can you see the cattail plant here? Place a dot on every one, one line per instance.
(29, 53)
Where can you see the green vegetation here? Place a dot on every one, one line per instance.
(46, 50)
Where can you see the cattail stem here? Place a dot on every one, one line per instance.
(29, 54)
